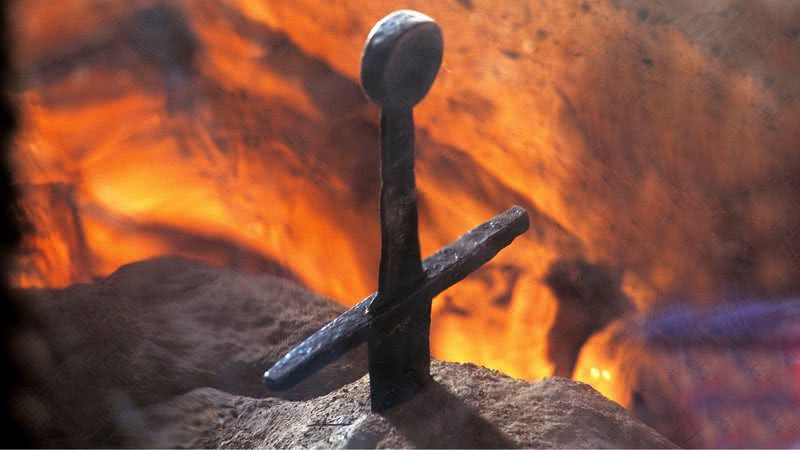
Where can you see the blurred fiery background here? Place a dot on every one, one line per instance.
(655, 145)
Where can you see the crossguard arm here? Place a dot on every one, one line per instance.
(444, 268)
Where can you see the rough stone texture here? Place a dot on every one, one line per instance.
(162, 327)
(468, 407)
(725, 377)
(169, 352)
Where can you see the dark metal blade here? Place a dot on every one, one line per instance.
(444, 268)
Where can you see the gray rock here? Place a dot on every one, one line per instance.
(468, 407)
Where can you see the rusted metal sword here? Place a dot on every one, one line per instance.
(401, 58)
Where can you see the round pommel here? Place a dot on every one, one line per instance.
(400, 60)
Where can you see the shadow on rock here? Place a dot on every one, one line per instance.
(436, 418)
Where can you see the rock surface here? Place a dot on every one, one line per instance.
(468, 407)
(169, 353)
(163, 327)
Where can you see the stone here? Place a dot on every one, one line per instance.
(467, 407)
(158, 328)
(168, 353)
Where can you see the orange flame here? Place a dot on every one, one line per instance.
(256, 150)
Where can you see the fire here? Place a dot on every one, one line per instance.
(600, 373)
(235, 132)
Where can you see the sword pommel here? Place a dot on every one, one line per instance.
(401, 58)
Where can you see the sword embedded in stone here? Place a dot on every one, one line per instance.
(401, 58)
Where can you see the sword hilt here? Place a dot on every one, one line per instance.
(401, 58)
